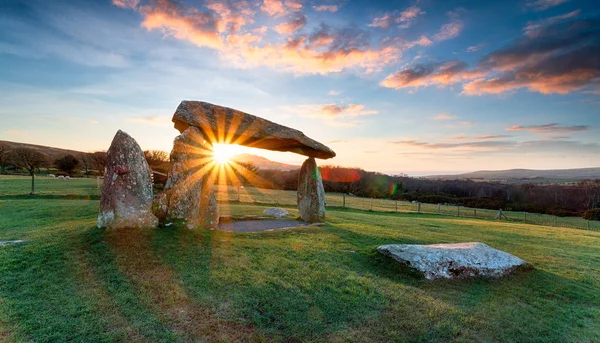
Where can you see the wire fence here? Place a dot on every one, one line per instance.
(338, 200)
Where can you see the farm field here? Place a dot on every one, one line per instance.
(73, 282)
(49, 188)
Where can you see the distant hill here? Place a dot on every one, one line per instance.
(525, 174)
(263, 163)
(54, 153)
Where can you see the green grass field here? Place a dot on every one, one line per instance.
(73, 282)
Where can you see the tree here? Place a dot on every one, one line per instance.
(98, 160)
(4, 156)
(67, 163)
(158, 160)
(30, 159)
(86, 163)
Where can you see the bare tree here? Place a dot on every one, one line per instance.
(31, 160)
(85, 162)
(158, 160)
(4, 156)
(98, 160)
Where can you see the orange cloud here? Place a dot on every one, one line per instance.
(552, 128)
(440, 74)
(294, 24)
(273, 7)
(444, 116)
(199, 28)
(404, 18)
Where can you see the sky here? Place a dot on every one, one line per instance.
(415, 87)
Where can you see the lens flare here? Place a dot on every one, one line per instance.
(222, 153)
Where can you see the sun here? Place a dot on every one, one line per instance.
(222, 153)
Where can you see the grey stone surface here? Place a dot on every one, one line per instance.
(276, 212)
(261, 225)
(188, 193)
(311, 194)
(449, 261)
(126, 199)
(217, 122)
(18, 241)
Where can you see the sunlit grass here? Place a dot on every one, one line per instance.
(73, 282)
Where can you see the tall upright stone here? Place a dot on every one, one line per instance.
(126, 199)
(311, 194)
(189, 193)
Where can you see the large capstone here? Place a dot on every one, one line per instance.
(226, 125)
(449, 261)
(126, 198)
(311, 194)
(189, 194)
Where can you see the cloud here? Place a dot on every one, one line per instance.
(200, 28)
(404, 18)
(541, 5)
(126, 3)
(444, 116)
(94, 122)
(552, 128)
(323, 8)
(451, 29)
(334, 92)
(561, 57)
(295, 23)
(532, 27)
(332, 114)
(273, 7)
(223, 26)
(440, 74)
(474, 48)
(485, 145)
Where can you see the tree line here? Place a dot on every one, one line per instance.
(573, 199)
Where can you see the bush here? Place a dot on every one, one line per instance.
(593, 214)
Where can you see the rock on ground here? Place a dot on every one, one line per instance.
(450, 261)
(311, 194)
(126, 199)
(277, 212)
(188, 193)
(245, 129)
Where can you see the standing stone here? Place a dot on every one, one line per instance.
(189, 194)
(311, 194)
(126, 199)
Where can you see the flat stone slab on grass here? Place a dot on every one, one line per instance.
(261, 225)
(277, 212)
(2, 243)
(453, 261)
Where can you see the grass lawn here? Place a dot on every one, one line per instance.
(73, 282)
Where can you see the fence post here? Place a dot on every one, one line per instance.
(277, 198)
(439, 205)
(525, 217)
(475, 213)
(239, 198)
(343, 200)
(396, 206)
(371, 204)
(419, 208)
(554, 221)
(458, 210)
(588, 224)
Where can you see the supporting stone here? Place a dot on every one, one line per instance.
(311, 194)
(126, 199)
(188, 193)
